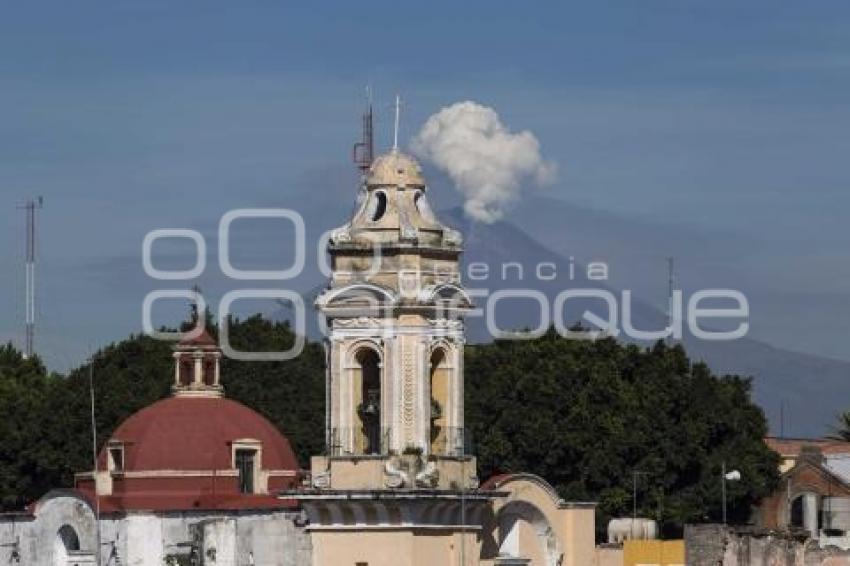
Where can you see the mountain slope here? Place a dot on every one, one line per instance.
(814, 389)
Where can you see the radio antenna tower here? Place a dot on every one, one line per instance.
(364, 150)
(30, 207)
(671, 285)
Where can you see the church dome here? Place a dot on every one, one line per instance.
(194, 434)
(196, 449)
(395, 169)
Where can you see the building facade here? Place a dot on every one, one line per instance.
(813, 494)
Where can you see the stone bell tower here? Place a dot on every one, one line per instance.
(396, 486)
(394, 311)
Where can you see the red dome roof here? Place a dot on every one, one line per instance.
(196, 433)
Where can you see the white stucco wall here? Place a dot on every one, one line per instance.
(143, 540)
(271, 538)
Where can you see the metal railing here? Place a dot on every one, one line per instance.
(358, 441)
(451, 441)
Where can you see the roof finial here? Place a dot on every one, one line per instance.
(397, 112)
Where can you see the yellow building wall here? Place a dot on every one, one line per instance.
(419, 547)
(654, 553)
(335, 548)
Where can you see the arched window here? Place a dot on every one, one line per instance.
(423, 207)
(439, 386)
(68, 536)
(368, 394)
(66, 541)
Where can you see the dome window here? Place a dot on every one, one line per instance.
(245, 463)
(422, 206)
(379, 206)
(247, 454)
(115, 462)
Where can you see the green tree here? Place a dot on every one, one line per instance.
(586, 415)
(25, 463)
(291, 394)
(127, 376)
(841, 431)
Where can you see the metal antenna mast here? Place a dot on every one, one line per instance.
(30, 207)
(671, 284)
(364, 150)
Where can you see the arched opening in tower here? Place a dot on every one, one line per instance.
(368, 438)
(439, 402)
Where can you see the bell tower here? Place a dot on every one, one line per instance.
(394, 312)
(396, 485)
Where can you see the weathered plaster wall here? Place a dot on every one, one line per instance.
(713, 545)
(268, 537)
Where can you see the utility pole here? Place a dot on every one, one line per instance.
(725, 476)
(94, 458)
(29, 208)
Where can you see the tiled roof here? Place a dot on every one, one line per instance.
(791, 447)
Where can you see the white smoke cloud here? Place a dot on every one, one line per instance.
(487, 162)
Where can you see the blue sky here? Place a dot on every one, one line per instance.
(728, 118)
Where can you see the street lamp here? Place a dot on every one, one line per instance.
(733, 475)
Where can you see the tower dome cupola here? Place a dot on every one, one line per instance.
(197, 370)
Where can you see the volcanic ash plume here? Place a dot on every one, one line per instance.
(487, 162)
